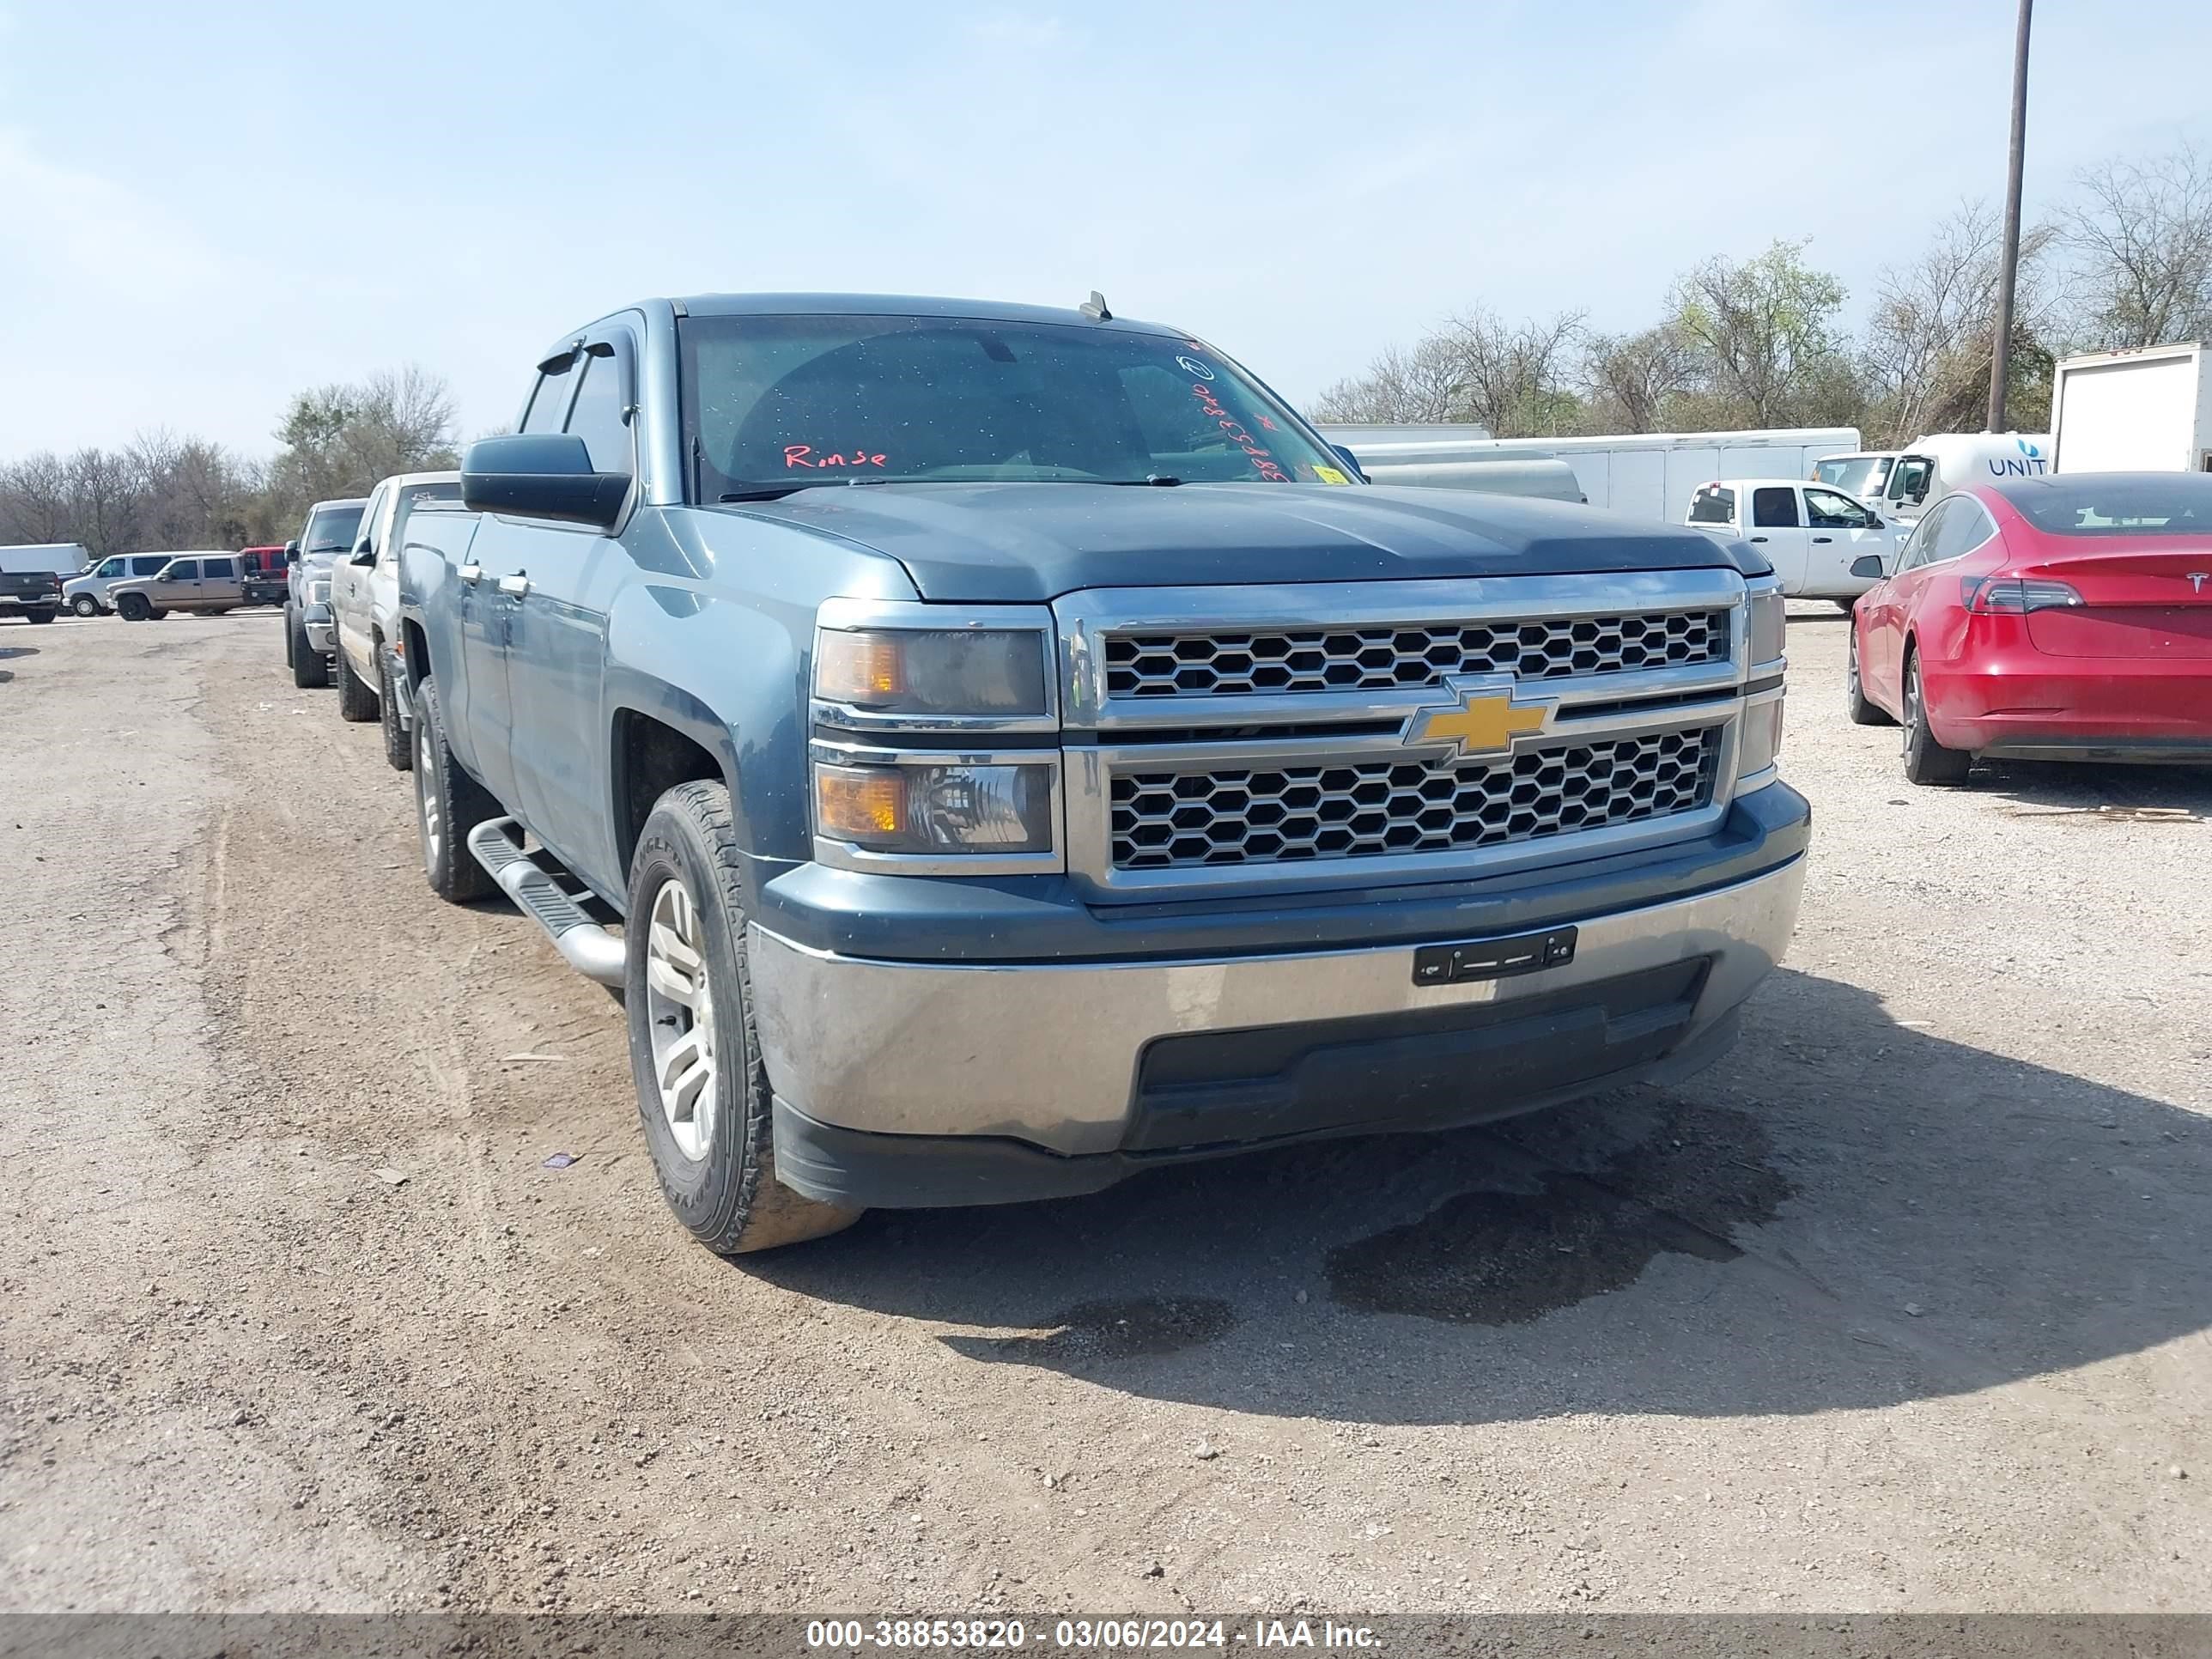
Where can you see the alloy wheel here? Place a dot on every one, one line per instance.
(680, 1014)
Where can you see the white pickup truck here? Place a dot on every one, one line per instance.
(365, 608)
(1809, 533)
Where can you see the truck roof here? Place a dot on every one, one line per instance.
(896, 305)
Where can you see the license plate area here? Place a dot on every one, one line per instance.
(1494, 958)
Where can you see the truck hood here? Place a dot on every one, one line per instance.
(1028, 543)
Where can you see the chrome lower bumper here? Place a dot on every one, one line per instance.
(1049, 1053)
(321, 636)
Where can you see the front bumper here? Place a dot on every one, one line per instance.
(907, 1084)
(321, 631)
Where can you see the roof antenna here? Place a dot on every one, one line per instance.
(1095, 308)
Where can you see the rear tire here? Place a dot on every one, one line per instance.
(398, 749)
(85, 605)
(287, 634)
(1927, 761)
(689, 1001)
(356, 702)
(448, 804)
(1855, 702)
(310, 672)
(39, 615)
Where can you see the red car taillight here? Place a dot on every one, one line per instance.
(2013, 596)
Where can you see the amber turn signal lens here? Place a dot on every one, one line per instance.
(859, 803)
(860, 668)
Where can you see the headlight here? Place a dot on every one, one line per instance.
(1770, 623)
(1760, 744)
(318, 591)
(932, 671)
(953, 808)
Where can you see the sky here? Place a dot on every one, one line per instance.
(206, 208)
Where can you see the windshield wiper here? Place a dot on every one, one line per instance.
(768, 492)
(1153, 480)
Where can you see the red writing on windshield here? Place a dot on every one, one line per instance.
(1234, 430)
(797, 455)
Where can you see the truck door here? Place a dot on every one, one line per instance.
(177, 587)
(557, 642)
(1777, 529)
(348, 580)
(1840, 530)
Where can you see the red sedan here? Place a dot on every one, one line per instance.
(2065, 617)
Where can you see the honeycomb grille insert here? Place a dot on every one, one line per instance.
(1229, 664)
(1177, 819)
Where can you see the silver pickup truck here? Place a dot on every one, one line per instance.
(997, 750)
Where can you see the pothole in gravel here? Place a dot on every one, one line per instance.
(1490, 1257)
(1143, 1326)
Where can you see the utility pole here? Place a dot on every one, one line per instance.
(2008, 276)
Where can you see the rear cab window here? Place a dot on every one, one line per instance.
(411, 497)
(225, 567)
(1714, 504)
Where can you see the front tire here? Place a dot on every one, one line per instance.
(1862, 710)
(448, 804)
(1927, 761)
(398, 749)
(39, 615)
(133, 607)
(310, 672)
(702, 1088)
(356, 701)
(85, 605)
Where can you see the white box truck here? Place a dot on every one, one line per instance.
(2145, 410)
(1899, 483)
(1646, 474)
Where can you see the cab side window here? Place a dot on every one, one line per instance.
(549, 403)
(1774, 508)
(597, 418)
(223, 568)
(110, 568)
(1915, 473)
(1828, 510)
(149, 566)
(182, 570)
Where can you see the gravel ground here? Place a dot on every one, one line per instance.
(1902, 1307)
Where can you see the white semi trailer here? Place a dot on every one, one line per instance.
(1646, 474)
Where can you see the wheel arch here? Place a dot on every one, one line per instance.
(653, 747)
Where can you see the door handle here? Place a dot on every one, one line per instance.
(469, 572)
(517, 584)
(1759, 538)
(1824, 538)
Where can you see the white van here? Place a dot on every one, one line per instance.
(1809, 533)
(1900, 482)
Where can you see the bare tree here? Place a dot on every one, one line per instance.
(339, 440)
(1512, 377)
(1630, 380)
(1930, 338)
(1418, 387)
(2141, 237)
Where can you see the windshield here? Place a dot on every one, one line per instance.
(1862, 476)
(332, 529)
(2117, 504)
(770, 402)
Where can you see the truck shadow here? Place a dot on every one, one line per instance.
(1846, 1213)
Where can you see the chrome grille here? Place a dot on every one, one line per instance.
(1165, 819)
(1218, 664)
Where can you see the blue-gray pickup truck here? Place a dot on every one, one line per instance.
(995, 750)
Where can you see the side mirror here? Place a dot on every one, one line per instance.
(541, 475)
(291, 552)
(1874, 521)
(1868, 568)
(1351, 461)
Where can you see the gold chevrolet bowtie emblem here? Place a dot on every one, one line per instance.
(1481, 723)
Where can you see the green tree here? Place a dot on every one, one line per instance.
(1765, 340)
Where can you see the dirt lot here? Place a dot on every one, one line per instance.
(1905, 1306)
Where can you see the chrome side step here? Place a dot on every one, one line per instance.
(585, 945)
